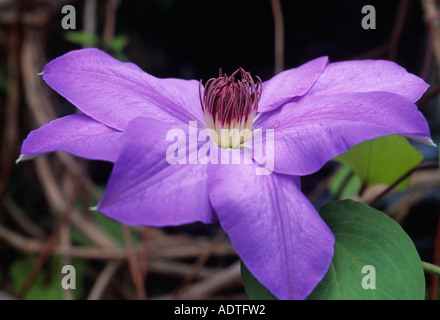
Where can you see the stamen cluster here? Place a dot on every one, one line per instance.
(230, 104)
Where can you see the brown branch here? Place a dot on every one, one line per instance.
(75, 169)
(279, 35)
(428, 97)
(399, 22)
(226, 278)
(433, 288)
(144, 254)
(66, 258)
(51, 242)
(103, 280)
(178, 269)
(89, 16)
(344, 184)
(322, 186)
(56, 200)
(198, 265)
(429, 49)
(6, 296)
(10, 126)
(21, 218)
(135, 270)
(184, 251)
(400, 179)
(37, 97)
(110, 20)
(373, 53)
(433, 45)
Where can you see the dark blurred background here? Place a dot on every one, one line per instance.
(44, 203)
(193, 39)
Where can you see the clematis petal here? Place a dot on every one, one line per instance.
(290, 84)
(315, 129)
(369, 75)
(114, 93)
(77, 134)
(276, 231)
(145, 189)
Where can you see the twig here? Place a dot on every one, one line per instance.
(66, 258)
(89, 16)
(428, 97)
(32, 62)
(135, 270)
(178, 269)
(429, 47)
(144, 255)
(399, 22)
(279, 35)
(75, 169)
(433, 44)
(22, 219)
(224, 279)
(198, 265)
(6, 296)
(428, 52)
(322, 186)
(72, 190)
(436, 261)
(104, 278)
(51, 242)
(374, 53)
(431, 268)
(363, 188)
(32, 246)
(185, 251)
(344, 184)
(37, 99)
(9, 142)
(56, 200)
(402, 178)
(110, 20)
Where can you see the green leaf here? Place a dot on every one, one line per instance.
(82, 38)
(382, 160)
(47, 284)
(118, 43)
(254, 289)
(368, 237)
(365, 238)
(344, 183)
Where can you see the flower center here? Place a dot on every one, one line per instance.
(230, 104)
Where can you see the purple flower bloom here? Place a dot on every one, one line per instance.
(317, 111)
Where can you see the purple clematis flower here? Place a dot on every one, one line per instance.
(316, 112)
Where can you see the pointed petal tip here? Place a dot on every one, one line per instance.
(24, 157)
(20, 158)
(94, 208)
(425, 140)
(40, 73)
(431, 143)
